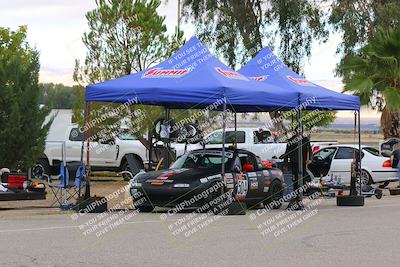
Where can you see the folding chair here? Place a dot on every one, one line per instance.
(66, 190)
(57, 189)
(80, 182)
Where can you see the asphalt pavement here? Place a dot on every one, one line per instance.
(321, 235)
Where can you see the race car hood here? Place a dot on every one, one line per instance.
(179, 175)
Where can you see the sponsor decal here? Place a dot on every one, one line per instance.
(266, 173)
(259, 78)
(230, 74)
(252, 174)
(300, 81)
(241, 189)
(253, 185)
(228, 175)
(217, 176)
(165, 73)
(203, 180)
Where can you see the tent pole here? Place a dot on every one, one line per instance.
(167, 145)
(150, 137)
(82, 149)
(353, 190)
(223, 140)
(87, 137)
(235, 144)
(359, 146)
(300, 156)
(84, 127)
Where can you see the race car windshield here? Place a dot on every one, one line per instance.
(201, 160)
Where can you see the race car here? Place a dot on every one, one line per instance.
(195, 180)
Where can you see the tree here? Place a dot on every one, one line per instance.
(373, 73)
(124, 37)
(237, 30)
(57, 96)
(23, 132)
(359, 21)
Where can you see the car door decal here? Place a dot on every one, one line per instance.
(253, 182)
(242, 186)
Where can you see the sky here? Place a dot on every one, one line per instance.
(55, 28)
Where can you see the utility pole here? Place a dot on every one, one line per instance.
(179, 15)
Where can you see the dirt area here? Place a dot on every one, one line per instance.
(347, 138)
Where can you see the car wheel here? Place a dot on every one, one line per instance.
(125, 167)
(365, 178)
(213, 199)
(145, 208)
(42, 165)
(275, 194)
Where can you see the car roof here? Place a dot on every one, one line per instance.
(348, 145)
(226, 149)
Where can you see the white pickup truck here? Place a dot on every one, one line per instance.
(260, 141)
(104, 156)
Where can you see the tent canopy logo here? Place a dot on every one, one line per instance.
(259, 78)
(167, 73)
(230, 74)
(300, 81)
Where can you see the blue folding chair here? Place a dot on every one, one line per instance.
(67, 191)
(57, 188)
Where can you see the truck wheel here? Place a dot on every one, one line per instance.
(125, 167)
(275, 193)
(44, 164)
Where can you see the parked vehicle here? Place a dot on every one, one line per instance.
(184, 183)
(335, 162)
(105, 155)
(260, 141)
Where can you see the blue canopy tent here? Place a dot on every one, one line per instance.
(268, 69)
(191, 78)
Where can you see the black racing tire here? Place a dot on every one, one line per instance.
(213, 199)
(45, 165)
(275, 193)
(384, 184)
(350, 201)
(378, 193)
(145, 208)
(125, 167)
